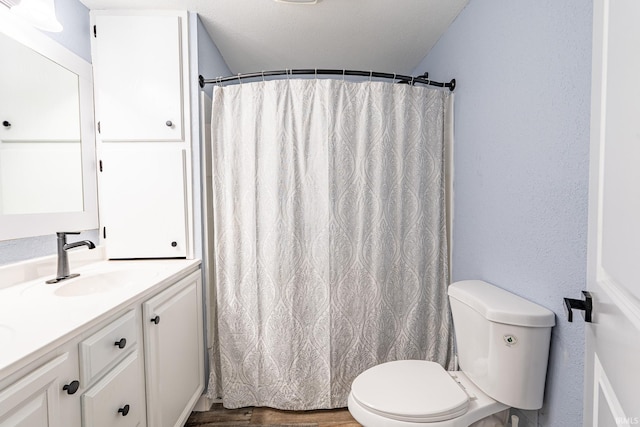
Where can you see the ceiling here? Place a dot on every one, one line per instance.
(381, 35)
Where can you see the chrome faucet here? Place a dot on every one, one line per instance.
(63, 259)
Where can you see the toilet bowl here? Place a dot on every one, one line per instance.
(503, 347)
(414, 393)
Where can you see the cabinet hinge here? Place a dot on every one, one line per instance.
(99, 127)
(104, 232)
(100, 165)
(95, 31)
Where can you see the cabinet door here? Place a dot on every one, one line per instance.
(174, 354)
(138, 77)
(35, 399)
(143, 202)
(117, 400)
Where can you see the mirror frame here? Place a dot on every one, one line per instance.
(30, 225)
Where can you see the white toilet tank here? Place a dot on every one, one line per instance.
(502, 342)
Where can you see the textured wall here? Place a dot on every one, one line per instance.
(211, 64)
(521, 164)
(74, 17)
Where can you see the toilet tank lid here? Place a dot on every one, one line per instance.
(498, 305)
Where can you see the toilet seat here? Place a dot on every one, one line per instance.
(410, 390)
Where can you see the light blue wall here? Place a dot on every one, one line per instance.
(211, 64)
(521, 164)
(74, 17)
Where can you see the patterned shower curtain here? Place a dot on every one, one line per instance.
(330, 207)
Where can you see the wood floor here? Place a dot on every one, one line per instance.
(267, 417)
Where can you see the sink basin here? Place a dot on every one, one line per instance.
(96, 283)
(98, 279)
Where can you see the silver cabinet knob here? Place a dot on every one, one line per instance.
(169, 123)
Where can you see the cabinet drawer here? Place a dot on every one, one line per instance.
(106, 347)
(116, 400)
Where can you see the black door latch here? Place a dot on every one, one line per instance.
(586, 305)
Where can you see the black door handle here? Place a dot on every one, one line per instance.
(578, 304)
(121, 344)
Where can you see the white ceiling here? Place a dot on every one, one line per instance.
(381, 35)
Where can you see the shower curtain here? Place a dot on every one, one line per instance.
(330, 223)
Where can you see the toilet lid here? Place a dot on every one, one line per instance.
(410, 390)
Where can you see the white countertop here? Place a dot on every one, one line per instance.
(36, 317)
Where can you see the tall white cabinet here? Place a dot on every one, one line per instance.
(142, 88)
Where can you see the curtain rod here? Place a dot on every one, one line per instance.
(424, 79)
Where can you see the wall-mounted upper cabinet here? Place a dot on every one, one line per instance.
(141, 76)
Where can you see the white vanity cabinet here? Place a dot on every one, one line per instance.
(174, 352)
(138, 364)
(43, 395)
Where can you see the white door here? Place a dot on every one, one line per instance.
(612, 376)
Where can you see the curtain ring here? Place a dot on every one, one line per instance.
(286, 72)
(343, 73)
(412, 80)
(394, 77)
(316, 74)
(370, 75)
(263, 76)
(239, 79)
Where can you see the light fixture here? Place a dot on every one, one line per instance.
(298, 1)
(39, 13)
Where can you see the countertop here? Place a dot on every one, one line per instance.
(36, 317)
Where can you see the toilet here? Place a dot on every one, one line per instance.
(502, 345)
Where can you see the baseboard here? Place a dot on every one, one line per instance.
(204, 403)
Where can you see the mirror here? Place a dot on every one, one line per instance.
(40, 156)
(47, 142)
